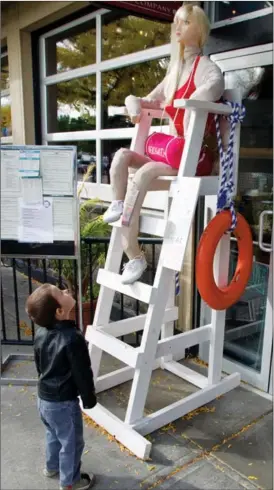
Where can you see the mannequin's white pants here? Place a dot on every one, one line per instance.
(146, 172)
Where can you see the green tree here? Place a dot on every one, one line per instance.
(6, 116)
(119, 37)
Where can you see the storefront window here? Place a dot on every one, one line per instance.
(71, 105)
(72, 49)
(86, 157)
(109, 147)
(70, 101)
(139, 79)
(228, 10)
(125, 35)
(6, 129)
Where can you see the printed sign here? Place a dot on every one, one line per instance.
(156, 10)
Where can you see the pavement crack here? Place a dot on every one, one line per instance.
(210, 452)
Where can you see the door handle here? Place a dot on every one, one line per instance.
(264, 247)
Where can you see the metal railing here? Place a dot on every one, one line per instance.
(19, 277)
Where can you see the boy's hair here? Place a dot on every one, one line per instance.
(41, 306)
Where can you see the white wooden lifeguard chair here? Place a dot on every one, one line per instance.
(183, 191)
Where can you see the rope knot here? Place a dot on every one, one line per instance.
(238, 112)
(226, 159)
(224, 196)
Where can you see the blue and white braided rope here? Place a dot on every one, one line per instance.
(226, 158)
(177, 284)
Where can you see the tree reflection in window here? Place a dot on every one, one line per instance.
(71, 49)
(139, 80)
(129, 34)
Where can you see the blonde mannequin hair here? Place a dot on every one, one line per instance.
(177, 48)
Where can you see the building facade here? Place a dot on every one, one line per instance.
(66, 68)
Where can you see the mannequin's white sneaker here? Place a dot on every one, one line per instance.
(134, 269)
(114, 212)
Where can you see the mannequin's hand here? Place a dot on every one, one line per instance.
(135, 119)
(134, 110)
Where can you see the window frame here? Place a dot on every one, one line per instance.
(210, 11)
(102, 191)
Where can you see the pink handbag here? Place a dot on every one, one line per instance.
(164, 148)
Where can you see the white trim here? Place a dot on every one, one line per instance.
(74, 23)
(6, 140)
(113, 64)
(271, 379)
(248, 61)
(249, 375)
(138, 57)
(104, 193)
(43, 89)
(65, 76)
(242, 52)
(267, 396)
(242, 18)
(98, 103)
(102, 134)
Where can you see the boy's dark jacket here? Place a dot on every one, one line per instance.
(63, 364)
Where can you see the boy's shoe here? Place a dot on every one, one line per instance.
(134, 269)
(84, 483)
(50, 473)
(114, 212)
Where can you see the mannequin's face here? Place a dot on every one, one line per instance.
(186, 29)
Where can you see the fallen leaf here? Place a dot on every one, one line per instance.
(250, 464)
(252, 478)
(151, 468)
(229, 446)
(86, 452)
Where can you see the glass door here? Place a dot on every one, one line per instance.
(248, 331)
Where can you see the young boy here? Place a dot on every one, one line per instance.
(64, 369)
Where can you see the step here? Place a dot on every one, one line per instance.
(209, 185)
(138, 290)
(131, 325)
(116, 348)
(153, 225)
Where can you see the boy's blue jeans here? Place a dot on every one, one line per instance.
(64, 438)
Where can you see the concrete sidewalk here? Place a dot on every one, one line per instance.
(224, 445)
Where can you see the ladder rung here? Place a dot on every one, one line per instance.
(131, 325)
(153, 225)
(115, 347)
(138, 290)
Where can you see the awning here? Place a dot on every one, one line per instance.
(156, 10)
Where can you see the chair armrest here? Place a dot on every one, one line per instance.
(210, 107)
(155, 113)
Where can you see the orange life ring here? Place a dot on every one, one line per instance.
(222, 298)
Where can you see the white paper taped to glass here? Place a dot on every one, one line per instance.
(29, 163)
(36, 222)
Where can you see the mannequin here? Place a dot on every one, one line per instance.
(189, 75)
